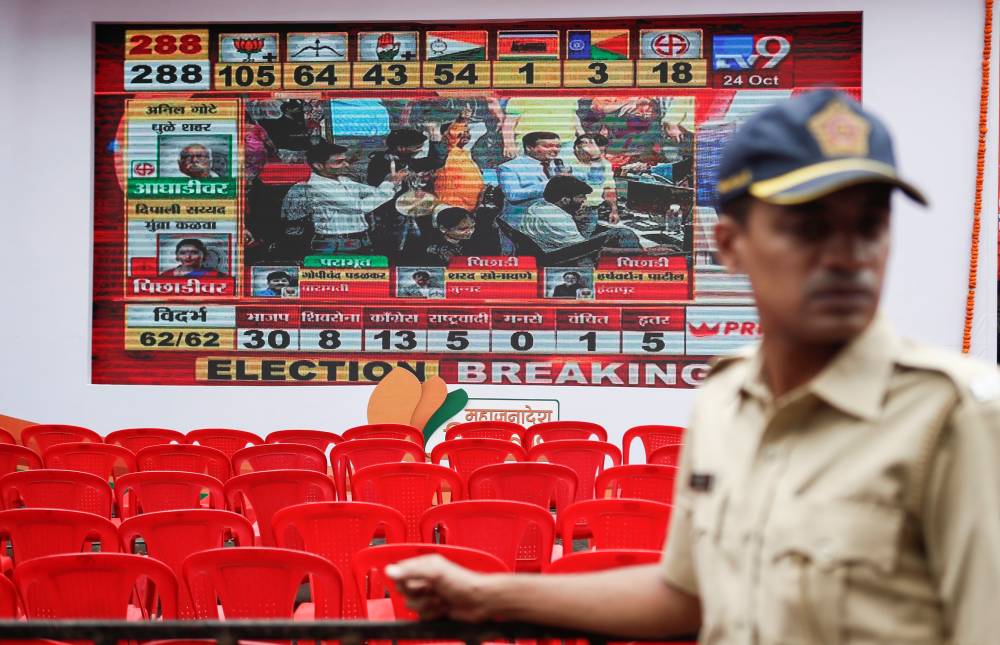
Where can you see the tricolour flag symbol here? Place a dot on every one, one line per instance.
(528, 45)
(679, 43)
(597, 44)
(455, 45)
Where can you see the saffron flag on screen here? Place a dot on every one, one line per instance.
(597, 44)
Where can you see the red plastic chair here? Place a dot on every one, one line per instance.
(91, 585)
(638, 481)
(9, 602)
(495, 526)
(45, 435)
(354, 454)
(651, 437)
(279, 456)
(669, 455)
(586, 561)
(227, 440)
(369, 565)
(315, 438)
(410, 488)
(258, 496)
(505, 430)
(38, 532)
(585, 457)
(186, 458)
(14, 458)
(466, 455)
(135, 439)
(336, 531)
(6, 438)
(107, 462)
(563, 430)
(534, 482)
(171, 536)
(167, 490)
(385, 431)
(257, 582)
(617, 523)
(68, 489)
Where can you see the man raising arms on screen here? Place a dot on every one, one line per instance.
(335, 203)
(838, 484)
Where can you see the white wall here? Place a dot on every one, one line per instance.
(921, 72)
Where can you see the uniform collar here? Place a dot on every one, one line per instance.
(855, 380)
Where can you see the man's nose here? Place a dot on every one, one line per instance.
(847, 250)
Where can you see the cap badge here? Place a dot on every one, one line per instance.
(840, 131)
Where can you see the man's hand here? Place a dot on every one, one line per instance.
(673, 131)
(435, 587)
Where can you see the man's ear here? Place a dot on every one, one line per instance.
(729, 237)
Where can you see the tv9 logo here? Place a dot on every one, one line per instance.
(739, 53)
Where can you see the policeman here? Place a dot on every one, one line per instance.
(838, 484)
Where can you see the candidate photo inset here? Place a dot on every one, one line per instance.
(204, 156)
(420, 282)
(275, 282)
(573, 283)
(185, 256)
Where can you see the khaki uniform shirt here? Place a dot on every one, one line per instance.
(863, 507)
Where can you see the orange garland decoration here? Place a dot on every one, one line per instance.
(984, 100)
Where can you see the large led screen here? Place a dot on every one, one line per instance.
(497, 203)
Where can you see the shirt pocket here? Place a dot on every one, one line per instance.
(812, 553)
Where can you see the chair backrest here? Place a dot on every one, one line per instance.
(351, 455)
(585, 457)
(106, 461)
(38, 532)
(135, 439)
(167, 490)
(369, 565)
(584, 561)
(9, 602)
(638, 481)
(91, 585)
(669, 455)
(6, 438)
(171, 536)
(228, 440)
(617, 523)
(187, 458)
(45, 435)
(68, 489)
(260, 582)
(410, 488)
(14, 458)
(651, 437)
(316, 438)
(466, 455)
(279, 456)
(534, 482)
(506, 430)
(385, 431)
(495, 526)
(336, 531)
(561, 430)
(258, 496)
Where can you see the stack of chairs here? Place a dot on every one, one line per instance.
(219, 523)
